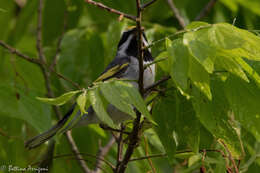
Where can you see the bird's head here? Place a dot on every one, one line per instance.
(128, 44)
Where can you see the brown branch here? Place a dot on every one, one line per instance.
(134, 136)
(229, 155)
(105, 127)
(120, 146)
(206, 10)
(102, 151)
(76, 85)
(50, 93)
(146, 154)
(176, 13)
(148, 157)
(55, 59)
(159, 82)
(100, 5)
(36, 61)
(148, 4)
(17, 52)
(39, 32)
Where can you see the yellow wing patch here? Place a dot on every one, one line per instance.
(111, 72)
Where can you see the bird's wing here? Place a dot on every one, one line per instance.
(115, 69)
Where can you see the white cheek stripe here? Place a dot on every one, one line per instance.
(124, 46)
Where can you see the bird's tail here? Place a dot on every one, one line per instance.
(41, 138)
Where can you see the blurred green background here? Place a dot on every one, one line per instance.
(89, 44)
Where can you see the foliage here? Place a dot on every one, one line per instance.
(207, 111)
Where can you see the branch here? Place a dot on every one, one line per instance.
(49, 90)
(120, 146)
(39, 32)
(102, 151)
(229, 155)
(146, 153)
(55, 59)
(134, 136)
(206, 9)
(148, 4)
(148, 157)
(76, 152)
(17, 52)
(36, 61)
(176, 13)
(111, 10)
(159, 82)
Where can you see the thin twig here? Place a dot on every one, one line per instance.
(229, 155)
(100, 5)
(102, 151)
(206, 9)
(105, 127)
(147, 157)
(50, 93)
(176, 13)
(36, 61)
(76, 152)
(134, 136)
(17, 52)
(120, 146)
(39, 32)
(159, 82)
(146, 154)
(58, 49)
(147, 4)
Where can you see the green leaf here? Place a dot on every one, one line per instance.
(214, 115)
(81, 101)
(249, 70)
(244, 101)
(59, 100)
(116, 98)
(99, 106)
(53, 20)
(132, 96)
(168, 43)
(19, 103)
(179, 63)
(194, 159)
(200, 77)
(165, 65)
(198, 45)
(165, 128)
(231, 64)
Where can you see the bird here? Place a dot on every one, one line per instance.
(127, 58)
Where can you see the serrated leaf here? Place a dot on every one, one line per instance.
(115, 97)
(249, 70)
(230, 63)
(99, 106)
(59, 100)
(198, 45)
(81, 101)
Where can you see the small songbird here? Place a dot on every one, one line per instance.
(127, 58)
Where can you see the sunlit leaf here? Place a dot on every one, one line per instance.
(59, 100)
